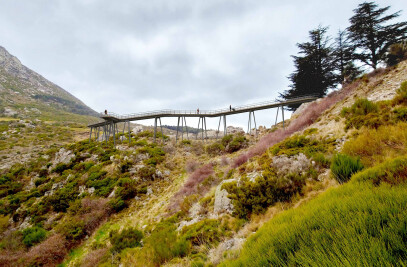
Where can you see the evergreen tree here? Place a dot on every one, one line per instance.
(343, 54)
(315, 67)
(372, 35)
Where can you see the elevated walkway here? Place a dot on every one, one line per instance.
(109, 125)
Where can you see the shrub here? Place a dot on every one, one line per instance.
(227, 139)
(236, 144)
(214, 149)
(33, 235)
(126, 188)
(375, 146)
(61, 199)
(250, 197)
(61, 167)
(117, 204)
(165, 244)
(127, 238)
(401, 114)
(343, 166)
(401, 97)
(392, 171)
(204, 232)
(146, 173)
(72, 228)
(49, 253)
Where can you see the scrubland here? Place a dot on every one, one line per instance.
(299, 195)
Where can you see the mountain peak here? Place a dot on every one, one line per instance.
(22, 89)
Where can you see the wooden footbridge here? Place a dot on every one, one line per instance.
(109, 126)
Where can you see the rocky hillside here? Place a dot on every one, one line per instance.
(327, 189)
(26, 94)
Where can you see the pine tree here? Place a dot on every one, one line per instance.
(372, 35)
(315, 68)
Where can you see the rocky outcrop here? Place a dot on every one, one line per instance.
(63, 156)
(222, 203)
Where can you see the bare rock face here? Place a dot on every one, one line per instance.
(223, 204)
(63, 156)
(234, 130)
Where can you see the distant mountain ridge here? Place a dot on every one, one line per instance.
(25, 93)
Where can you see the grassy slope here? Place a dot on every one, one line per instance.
(353, 225)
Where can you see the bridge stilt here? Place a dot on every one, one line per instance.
(225, 131)
(162, 134)
(176, 137)
(217, 133)
(186, 127)
(182, 129)
(206, 133)
(114, 134)
(255, 125)
(129, 132)
(276, 116)
(282, 112)
(155, 128)
(90, 134)
(199, 122)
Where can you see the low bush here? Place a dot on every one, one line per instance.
(400, 114)
(126, 188)
(33, 235)
(215, 149)
(127, 238)
(73, 228)
(392, 171)
(165, 244)
(375, 146)
(401, 97)
(204, 232)
(146, 173)
(254, 197)
(117, 204)
(297, 144)
(343, 166)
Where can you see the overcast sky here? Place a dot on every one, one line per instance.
(131, 56)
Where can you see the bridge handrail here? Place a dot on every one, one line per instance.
(201, 112)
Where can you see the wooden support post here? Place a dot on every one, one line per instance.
(276, 116)
(255, 125)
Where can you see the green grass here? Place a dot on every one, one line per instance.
(356, 224)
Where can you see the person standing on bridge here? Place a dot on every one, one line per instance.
(230, 107)
(197, 111)
(105, 111)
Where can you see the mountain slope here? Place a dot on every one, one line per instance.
(26, 94)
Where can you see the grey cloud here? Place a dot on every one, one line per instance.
(130, 56)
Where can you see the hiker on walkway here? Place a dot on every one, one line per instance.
(105, 111)
(230, 107)
(197, 111)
